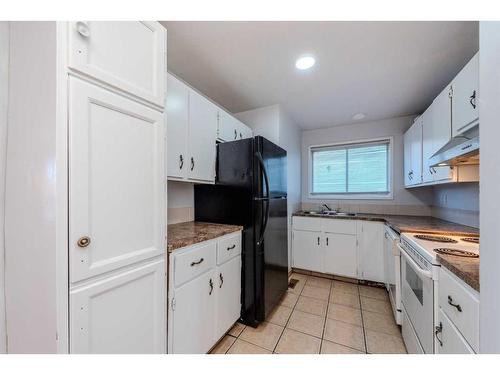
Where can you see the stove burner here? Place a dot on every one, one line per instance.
(471, 239)
(427, 237)
(457, 252)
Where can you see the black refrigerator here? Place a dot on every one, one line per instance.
(251, 191)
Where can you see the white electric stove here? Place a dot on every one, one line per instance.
(419, 278)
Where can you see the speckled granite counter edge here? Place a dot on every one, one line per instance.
(456, 267)
(200, 232)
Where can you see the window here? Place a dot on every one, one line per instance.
(351, 169)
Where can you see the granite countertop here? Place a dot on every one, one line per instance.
(406, 223)
(193, 232)
(467, 269)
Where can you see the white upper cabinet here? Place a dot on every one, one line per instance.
(427, 144)
(177, 127)
(116, 181)
(202, 137)
(465, 97)
(413, 153)
(128, 55)
(230, 129)
(192, 132)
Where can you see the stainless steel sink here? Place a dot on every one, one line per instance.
(328, 213)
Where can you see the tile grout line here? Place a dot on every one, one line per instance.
(288, 319)
(326, 315)
(363, 324)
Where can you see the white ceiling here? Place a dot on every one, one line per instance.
(383, 69)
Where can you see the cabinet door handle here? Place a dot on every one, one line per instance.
(196, 263)
(241, 136)
(472, 99)
(221, 280)
(326, 241)
(318, 241)
(192, 163)
(438, 330)
(455, 305)
(434, 169)
(181, 161)
(83, 29)
(235, 134)
(231, 247)
(211, 284)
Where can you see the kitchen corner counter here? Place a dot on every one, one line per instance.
(192, 232)
(466, 269)
(407, 223)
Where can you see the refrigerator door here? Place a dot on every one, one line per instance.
(271, 163)
(272, 254)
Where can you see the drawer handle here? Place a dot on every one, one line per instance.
(326, 241)
(456, 305)
(438, 330)
(211, 284)
(192, 163)
(231, 247)
(196, 263)
(221, 280)
(235, 134)
(181, 161)
(318, 241)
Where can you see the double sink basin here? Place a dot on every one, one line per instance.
(328, 213)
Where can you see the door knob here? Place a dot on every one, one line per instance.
(83, 241)
(83, 29)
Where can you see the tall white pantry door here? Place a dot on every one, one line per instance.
(116, 181)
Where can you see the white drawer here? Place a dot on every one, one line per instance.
(228, 247)
(194, 261)
(449, 340)
(465, 315)
(307, 223)
(339, 226)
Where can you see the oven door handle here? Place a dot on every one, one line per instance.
(414, 264)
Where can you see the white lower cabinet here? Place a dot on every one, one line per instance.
(307, 250)
(228, 280)
(204, 305)
(450, 341)
(121, 313)
(350, 248)
(340, 256)
(194, 315)
(371, 251)
(457, 329)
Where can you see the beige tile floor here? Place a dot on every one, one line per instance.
(321, 316)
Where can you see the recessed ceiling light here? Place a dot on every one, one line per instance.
(359, 116)
(305, 62)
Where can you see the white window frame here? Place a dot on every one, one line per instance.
(353, 196)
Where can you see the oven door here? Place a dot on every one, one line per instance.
(418, 299)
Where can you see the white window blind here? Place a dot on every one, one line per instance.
(361, 168)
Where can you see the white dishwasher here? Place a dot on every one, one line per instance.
(392, 267)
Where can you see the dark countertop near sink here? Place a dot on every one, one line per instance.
(406, 223)
(192, 232)
(466, 269)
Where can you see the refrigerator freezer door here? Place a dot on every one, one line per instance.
(274, 158)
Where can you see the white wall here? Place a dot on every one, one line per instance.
(457, 202)
(263, 121)
(180, 202)
(4, 63)
(489, 84)
(405, 201)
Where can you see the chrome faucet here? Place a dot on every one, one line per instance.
(326, 206)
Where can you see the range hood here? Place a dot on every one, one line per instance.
(461, 150)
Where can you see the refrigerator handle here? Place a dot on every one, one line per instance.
(264, 224)
(264, 172)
